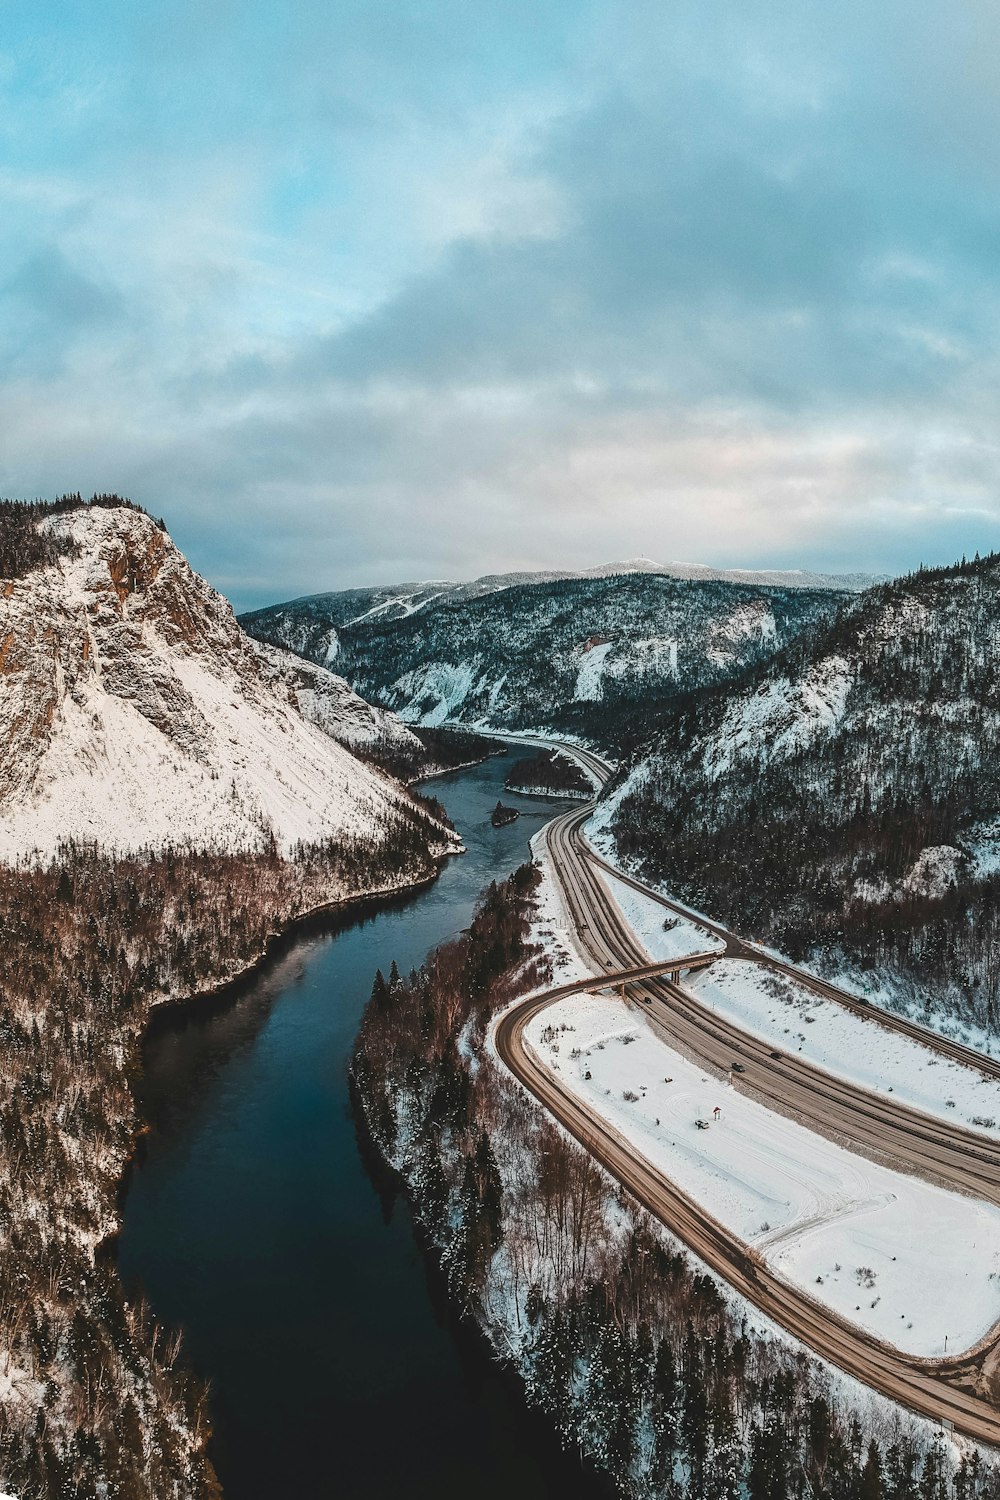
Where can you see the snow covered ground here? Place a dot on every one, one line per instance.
(851, 1046)
(552, 928)
(835, 1224)
(661, 933)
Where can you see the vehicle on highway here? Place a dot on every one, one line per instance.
(774, 1054)
(737, 1067)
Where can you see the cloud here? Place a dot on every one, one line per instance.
(47, 306)
(384, 292)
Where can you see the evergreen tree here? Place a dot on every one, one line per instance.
(380, 997)
(871, 1487)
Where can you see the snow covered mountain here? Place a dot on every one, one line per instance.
(309, 625)
(596, 655)
(846, 794)
(136, 713)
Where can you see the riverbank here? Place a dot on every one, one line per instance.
(252, 1221)
(121, 938)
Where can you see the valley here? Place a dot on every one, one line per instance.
(760, 1116)
(170, 803)
(499, 751)
(600, 657)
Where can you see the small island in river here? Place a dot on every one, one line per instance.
(501, 815)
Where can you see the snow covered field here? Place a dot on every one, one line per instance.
(840, 1227)
(661, 933)
(846, 1044)
(552, 928)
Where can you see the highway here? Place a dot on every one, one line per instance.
(964, 1390)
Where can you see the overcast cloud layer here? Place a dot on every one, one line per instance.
(352, 293)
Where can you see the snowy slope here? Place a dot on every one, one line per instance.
(136, 713)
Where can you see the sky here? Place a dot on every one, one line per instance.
(356, 293)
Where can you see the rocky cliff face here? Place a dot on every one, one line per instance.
(136, 713)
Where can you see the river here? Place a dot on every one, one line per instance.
(253, 1220)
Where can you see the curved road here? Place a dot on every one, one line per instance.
(964, 1390)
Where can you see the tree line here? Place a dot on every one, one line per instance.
(24, 547)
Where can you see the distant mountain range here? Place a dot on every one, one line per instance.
(399, 600)
(600, 653)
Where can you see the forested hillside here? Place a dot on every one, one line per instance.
(635, 1355)
(846, 796)
(598, 656)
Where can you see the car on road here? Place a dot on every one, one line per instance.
(737, 1067)
(775, 1055)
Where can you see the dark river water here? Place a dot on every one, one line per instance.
(255, 1221)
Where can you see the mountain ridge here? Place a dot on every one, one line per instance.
(491, 582)
(596, 656)
(137, 713)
